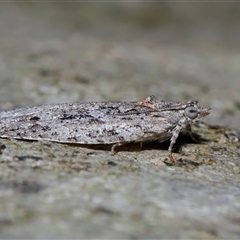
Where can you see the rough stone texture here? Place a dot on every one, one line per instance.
(51, 53)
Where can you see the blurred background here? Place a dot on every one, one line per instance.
(52, 52)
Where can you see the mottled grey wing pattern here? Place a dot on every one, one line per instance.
(87, 123)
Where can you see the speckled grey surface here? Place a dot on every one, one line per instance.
(52, 53)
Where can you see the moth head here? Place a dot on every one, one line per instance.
(194, 112)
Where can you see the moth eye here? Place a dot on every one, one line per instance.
(191, 112)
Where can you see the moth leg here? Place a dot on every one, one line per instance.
(172, 160)
(189, 130)
(115, 145)
(175, 133)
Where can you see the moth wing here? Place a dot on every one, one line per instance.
(85, 123)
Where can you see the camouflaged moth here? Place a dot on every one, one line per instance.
(115, 123)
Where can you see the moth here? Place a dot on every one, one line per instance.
(115, 123)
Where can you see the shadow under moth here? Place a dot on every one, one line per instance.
(115, 123)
